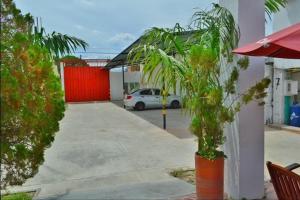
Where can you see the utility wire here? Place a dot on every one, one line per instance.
(96, 52)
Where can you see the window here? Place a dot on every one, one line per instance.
(134, 91)
(157, 92)
(133, 86)
(146, 92)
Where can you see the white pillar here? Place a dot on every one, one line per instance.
(244, 168)
(62, 77)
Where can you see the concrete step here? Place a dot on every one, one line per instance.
(134, 181)
(285, 127)
(167, 189)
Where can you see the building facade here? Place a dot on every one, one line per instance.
(284, 73)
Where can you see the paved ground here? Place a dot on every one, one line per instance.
(282, 147)
(106, 152)
(177, 121)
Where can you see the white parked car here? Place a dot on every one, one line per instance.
(149, 98)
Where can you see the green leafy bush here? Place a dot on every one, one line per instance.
(31, 98)
(199, 59)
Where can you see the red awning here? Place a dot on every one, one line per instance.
(282, 44)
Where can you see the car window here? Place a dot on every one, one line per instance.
(156, 92)
(134, 91)
(146, 92)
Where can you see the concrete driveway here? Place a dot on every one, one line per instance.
(105, 152)
(281, 146)
(101, 150)
(178, 121)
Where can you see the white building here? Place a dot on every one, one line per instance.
(97, 62)
(125, 77)
(285, 73)
(131, 82)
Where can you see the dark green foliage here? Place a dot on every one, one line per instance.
(243, 62)
(31, 98)
(205, 77)
(256, 92)
(230, 83)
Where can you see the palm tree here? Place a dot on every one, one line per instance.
(191, 57)
(57, 44)
(194, 58)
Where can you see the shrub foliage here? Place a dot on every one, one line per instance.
(31, 98)
(199, 59)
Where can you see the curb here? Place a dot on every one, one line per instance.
(285, 127)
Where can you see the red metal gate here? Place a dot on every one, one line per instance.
(86, 84)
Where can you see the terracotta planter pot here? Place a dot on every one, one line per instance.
(209, 178)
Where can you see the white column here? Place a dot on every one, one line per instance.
(244, 168)
(62, 77)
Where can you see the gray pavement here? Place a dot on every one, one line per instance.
(102, 147)
(178, 121)
(282, 147)
(138, 191)
(105, 152)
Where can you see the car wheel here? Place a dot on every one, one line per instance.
(175, 104)
(139, 106)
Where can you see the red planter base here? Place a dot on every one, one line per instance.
(209, 178)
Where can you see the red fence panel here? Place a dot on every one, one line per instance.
(86, 84)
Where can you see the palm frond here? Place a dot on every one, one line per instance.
(219, 24)
(273, 6)
(58, 44)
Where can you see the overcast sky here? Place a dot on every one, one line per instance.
(110, 25)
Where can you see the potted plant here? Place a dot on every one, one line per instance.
(200, 61)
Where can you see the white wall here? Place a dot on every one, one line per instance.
(286, 63)
(116, 83)
(296, 77)
(287, 17)
(131, 77)
(278, 88)
(278, 83)
(268, 115)
(150, 83)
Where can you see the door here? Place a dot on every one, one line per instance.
(148, 98)
(84, 84)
